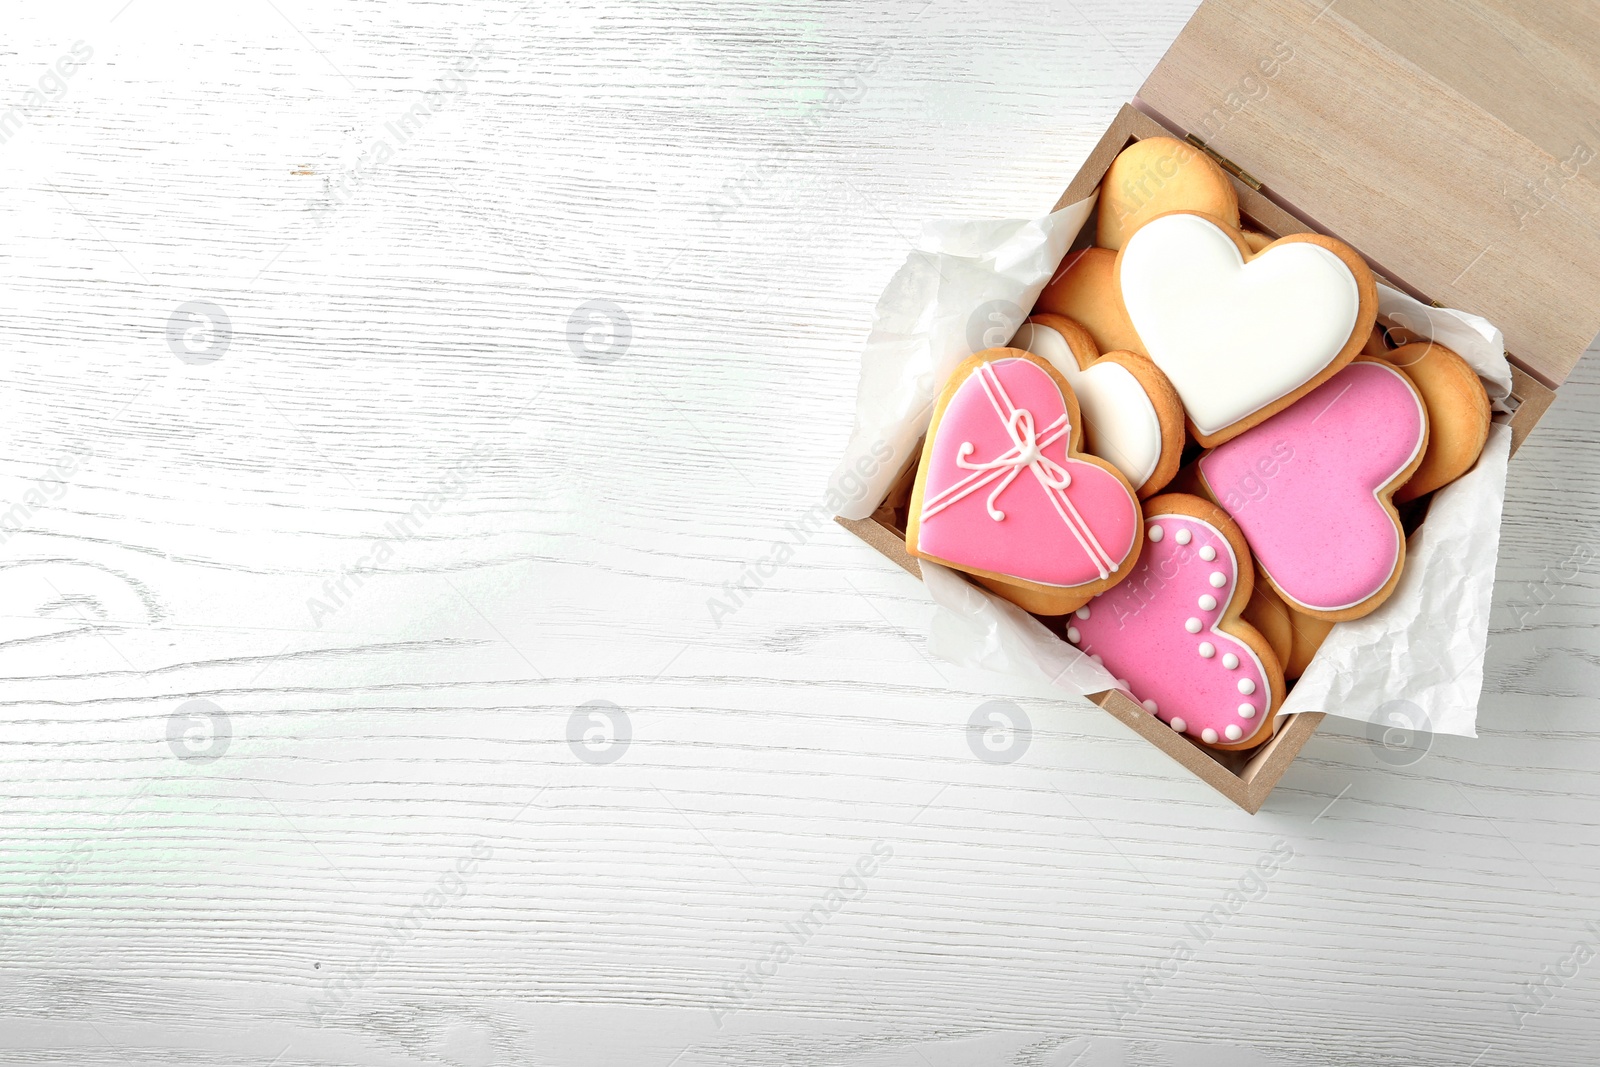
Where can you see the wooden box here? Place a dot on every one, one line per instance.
(1445, 140)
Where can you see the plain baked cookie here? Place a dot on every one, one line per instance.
(1084, 289)
(1312, 489)
(1458, 414)
(1294, 637)
(1256, 241)
(1172, 635)
(1268, 614)
(1309, 633)
(1131, 413)
(1005, 493)
(1157, 175)
(1242, 335)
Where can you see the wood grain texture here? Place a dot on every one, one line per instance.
(1452, 141)
(382, 847)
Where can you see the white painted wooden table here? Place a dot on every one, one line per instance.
(301, 611)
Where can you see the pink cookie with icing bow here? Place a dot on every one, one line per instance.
(1005, 494)
(1312, 489)
(1172, 633)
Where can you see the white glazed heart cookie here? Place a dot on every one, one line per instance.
(1241, 334)
(1131, 414)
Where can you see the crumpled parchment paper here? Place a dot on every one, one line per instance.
(967, 288)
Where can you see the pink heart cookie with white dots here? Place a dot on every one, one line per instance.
(1172, 633)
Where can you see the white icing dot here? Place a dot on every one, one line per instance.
(1208, 735)
(1208, 603)
(1178, 724)
(1083, 612)
(1096, 659)
(1073, 635)
(1233, 732)
(1218, 579)
(1208, 553)
(1155, 532)
(1246, 686)
(1193, 626)
(1207, 650)
(1247, 711)
(1182, 537)
(1124, 683)
(1230, 661)
(1150, 706)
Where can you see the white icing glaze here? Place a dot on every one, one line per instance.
(1183, 537)
(1192, 625)
(1208, 603)
(1230, 661)
(1207, 650)
(1208, 553)
(1156, 532)
(1246, 686)
(1119, 422)
(1218, 579)
(1178, 725)
(1232, 336)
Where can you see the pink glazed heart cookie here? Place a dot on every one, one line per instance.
(1172, 633)
(1005, 494)
(1312, 489)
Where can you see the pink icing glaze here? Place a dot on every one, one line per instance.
(1303, 485)
(1141, 629)
(1053, 536)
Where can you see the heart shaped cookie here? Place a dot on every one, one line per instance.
(1172, 633)
(1312, 489)
(1458, 412)
(1131, 414)
(1154, 176)
(1242, 334)
(1309, 633)
(1084, 289)
(1272, 619)
(1004, 493)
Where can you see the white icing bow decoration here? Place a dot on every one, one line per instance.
(1025, 452)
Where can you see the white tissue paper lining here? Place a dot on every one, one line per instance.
(1416, 662)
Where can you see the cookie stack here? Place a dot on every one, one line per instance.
(1190, 455)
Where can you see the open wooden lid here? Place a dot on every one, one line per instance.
(1455, 142)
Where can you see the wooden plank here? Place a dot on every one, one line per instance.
(1532, 399)
(1426, 137)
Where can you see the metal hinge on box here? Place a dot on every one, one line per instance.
(1225, 163)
